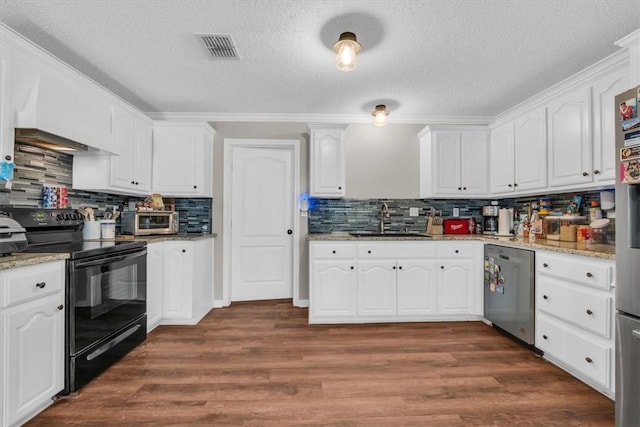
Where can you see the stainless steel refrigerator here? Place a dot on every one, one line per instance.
(628, 258)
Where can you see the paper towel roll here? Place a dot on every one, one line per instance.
(504, 221)
(607, 200)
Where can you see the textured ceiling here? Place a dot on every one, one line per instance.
(424, 59)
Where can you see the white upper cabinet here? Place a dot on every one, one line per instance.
(49, 95)
(327, 160)
(454, 161)
(6, 119)
(569, 136)
(182, 159)
(518, 154)
(126, 173)
(605, 113)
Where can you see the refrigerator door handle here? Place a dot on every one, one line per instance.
(636, 334)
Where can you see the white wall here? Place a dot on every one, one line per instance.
(382, 162)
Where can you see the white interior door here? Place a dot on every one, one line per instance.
(262, 199)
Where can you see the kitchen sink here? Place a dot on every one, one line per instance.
(392, 234)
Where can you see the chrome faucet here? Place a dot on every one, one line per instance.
(384, 213)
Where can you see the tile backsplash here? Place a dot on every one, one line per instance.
(35, 167)
(363, 215)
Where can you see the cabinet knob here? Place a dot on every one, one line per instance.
(589, 312)
(394, 267)
(184, 250)
(510, 185)
(133, 182)
(515, 184)
(41, 285)
(588, 359)
(596, 172)
(368, 252)
(545, 337)
(351, 267)
(464, 188)
(545, 297)
(585, 173)
(339, 188)
(457, 251)
(545, 265)
(459, 188)
(60, 307)
(589, 274)
(195, 186)
(137, 183)
(400, 268)
(289, 231)
(7, 158)
(333, 252)
(442, 267)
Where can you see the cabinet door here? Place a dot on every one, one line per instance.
(530, 151)
(6, 122)
(570, 139)
(416, 287)
(332, 289)
(455, 287)
(177, 277)
(179, 156)
(327, 166)
(142, 154)
(474, 148)
(377, 288)
(501, 159)
(123, 167)
(154, 284)
(35, 350)
(605, 114)
(446, 163)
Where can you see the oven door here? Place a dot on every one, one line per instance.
(105, 293)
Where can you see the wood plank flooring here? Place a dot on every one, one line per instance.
(260, 364)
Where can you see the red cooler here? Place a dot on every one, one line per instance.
(456, 226)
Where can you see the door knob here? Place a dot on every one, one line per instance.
(289, 231)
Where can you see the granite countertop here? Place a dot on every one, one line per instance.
(25, 259)
(603, 251)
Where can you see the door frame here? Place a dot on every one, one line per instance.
(229, 145)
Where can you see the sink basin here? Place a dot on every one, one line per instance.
(391, 234)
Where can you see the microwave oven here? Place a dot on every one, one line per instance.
(147, 223)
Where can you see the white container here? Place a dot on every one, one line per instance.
(91, 230)
(108, 228)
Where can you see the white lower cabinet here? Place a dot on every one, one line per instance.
(32, 340)
(575, 312)
(179, 282)
(369, 281)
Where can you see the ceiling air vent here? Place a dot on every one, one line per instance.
(219, 46)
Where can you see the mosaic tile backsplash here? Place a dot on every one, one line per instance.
(357, 215)
(35, 167)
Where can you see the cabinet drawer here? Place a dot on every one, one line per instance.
(457, 250)
(25, 283)
(589, 357)
(591, 272)
(332, 250)
(396, 250)
(584, 309)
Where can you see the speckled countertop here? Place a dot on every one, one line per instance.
(26, 259)
(603, 251)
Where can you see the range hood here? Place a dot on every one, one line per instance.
(49, 141)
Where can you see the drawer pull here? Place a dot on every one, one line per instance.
(368, 252)
(333, 252)
(545, 297)
(400, 268)
(545, 337)
(442, 267)
(60, 307)
(41, 285)
(457, 251)
(351, 267)
(588, 359)
(545, 265)
(589, 274)
(394, 267)
(589, 312)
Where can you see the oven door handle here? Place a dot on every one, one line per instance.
(104, 261)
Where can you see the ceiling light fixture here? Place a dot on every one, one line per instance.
(380, 115)
(347, 48)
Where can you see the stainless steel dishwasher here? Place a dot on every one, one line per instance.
(509, 298)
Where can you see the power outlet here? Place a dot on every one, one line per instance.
(456, 211)
(414, 211)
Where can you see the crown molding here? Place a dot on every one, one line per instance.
(316, 118)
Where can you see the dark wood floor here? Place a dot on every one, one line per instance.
(261, 364)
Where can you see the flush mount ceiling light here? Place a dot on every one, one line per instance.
(380, 115)
(347, 48)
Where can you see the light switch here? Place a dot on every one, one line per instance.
(456, 211)
(414, 211)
